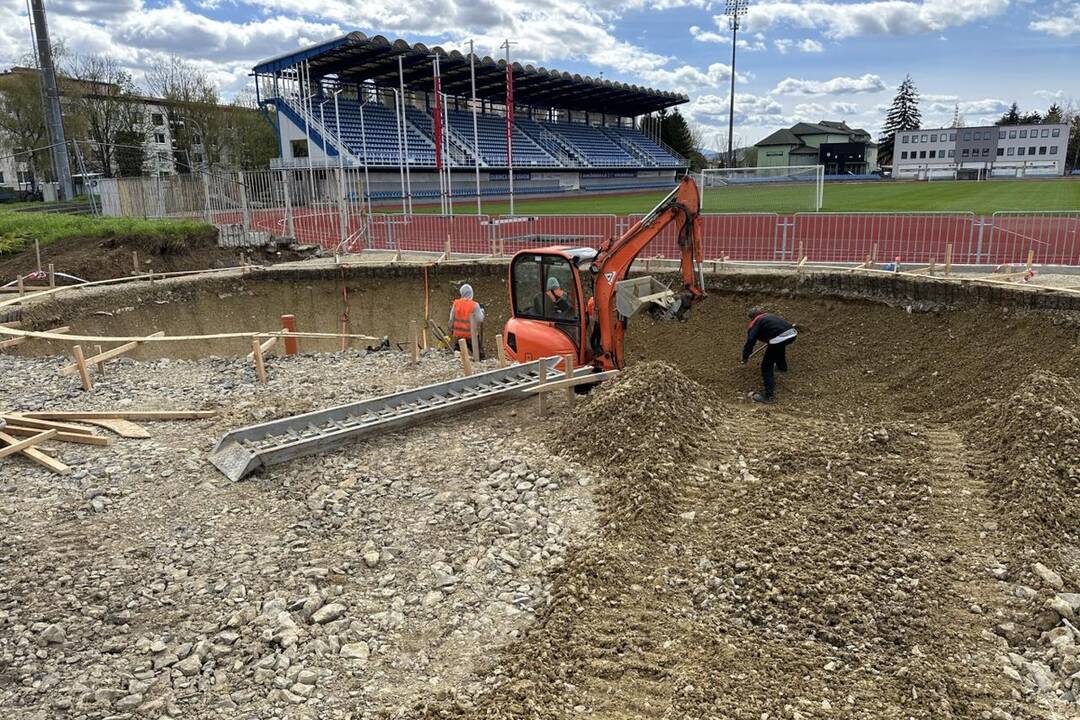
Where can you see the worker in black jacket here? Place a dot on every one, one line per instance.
(777, 333)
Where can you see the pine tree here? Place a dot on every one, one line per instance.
(1054, 114)
(957, 121)
(1011, 117)
(903, 115)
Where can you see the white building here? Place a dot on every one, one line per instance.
(982, 152)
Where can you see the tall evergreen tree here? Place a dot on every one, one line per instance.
(1011, 116)
(903, 115)
(1032, 118)
(1054, 114)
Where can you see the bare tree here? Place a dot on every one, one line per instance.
(190, 105)
(104, 96)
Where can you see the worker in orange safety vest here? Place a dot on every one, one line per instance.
(466, 316)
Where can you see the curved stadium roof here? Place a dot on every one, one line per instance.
(355, 58)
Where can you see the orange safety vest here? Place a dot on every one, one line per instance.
(463, 312)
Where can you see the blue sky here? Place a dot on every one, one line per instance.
(798, 59)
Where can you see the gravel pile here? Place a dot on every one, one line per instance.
(347, 585)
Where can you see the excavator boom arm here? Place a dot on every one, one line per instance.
(682, 208)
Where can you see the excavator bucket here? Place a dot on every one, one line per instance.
(646, 293)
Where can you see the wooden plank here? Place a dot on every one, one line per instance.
(80, 438)
(500, 351)
(265, 346)
(42, 424)
(541, 405)
(466, 362)
(568, 368)
(474, 336)
(414, 343)
(107, 355)
(36, 437)
(13, 342)
(14, 324)
(572, 382)
(39, 457)
(52, 275)
(80, 365)
(260, 367)
(123, 428)
(123, 415)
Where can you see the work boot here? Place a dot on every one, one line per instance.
(764, 399)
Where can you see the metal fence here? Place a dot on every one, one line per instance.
(327, 207)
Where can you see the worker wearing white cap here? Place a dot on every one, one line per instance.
(466, 316)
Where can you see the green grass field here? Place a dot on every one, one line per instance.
(982, 198)
(20, 229)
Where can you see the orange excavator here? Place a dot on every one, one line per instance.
(554, 312)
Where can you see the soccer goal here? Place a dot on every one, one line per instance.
(784, 189)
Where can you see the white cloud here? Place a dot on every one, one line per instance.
(687, 78)
(807, 45)
(868, 83)
(986, 106)
(877, 17)
(1064, 22)
(708, 36)
(1055, 95)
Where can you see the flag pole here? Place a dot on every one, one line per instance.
(408, 177)
(510, 122)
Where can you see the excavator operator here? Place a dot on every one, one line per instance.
(554, 301)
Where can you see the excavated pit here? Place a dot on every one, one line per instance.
(897, 538)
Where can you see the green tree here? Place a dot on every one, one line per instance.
(253, 140)
(104, 96)
(1011, 116)
(677, 133)
(22, 121)
(903, 115)
(189, 102)
(1054, 114)
(1032, 118)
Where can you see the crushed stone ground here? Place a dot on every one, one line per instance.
(896, 539)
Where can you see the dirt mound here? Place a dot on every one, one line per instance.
(94, 259)
(1033, 439)
(646, 427)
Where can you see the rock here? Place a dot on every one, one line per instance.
(1059, 605)
(1073, 600)
(1050, 578)
(999, 714)
(189, 666)
(356, 651)
(53, 635)
(688, 516)
(371, 558)
(129, 702)
(432, 598)
(328, 613)
(307, 677)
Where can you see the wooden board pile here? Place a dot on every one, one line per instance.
(26, 434)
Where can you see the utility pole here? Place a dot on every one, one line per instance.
(735, 9)
(54, 118)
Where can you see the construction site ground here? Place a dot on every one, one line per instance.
(896, 538)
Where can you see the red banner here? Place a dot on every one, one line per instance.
(509, 114)
(438, 119)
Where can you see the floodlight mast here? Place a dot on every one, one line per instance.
(735, 10)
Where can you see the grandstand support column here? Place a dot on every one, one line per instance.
(245, 209)
(437, 127)
(447, 159)
(399, 100)
(509, 122)
(343, 214)
(363, 143)
(475, 131)
(408, 177)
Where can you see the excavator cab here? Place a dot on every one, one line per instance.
(549, 296)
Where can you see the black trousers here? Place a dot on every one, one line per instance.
(774, 357)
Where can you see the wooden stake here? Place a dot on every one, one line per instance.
(948, 259)
(256, 353)
(19, 446)
(135, 260)
(474, 336)
(100, 363)
(100, 358)
(264, 346)
(79, 438)
(802, 252)
(500, 352)
(933, 264)
(873, 255)
(568, 367)
(52, 275)
(463, 348)
(446, 254)
(37, 456)
(414, 343)
(22, 288)
(37, 252)
(541, 405)
(80, 364)
(1031, 259)
(288, 325)
(423, 339)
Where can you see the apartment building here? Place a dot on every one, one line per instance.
(982, 152)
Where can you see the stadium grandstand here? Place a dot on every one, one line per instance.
(395, 109)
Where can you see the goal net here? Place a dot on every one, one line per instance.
(785, 189)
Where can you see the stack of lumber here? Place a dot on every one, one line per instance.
(26, 433)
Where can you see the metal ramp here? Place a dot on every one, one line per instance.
(242, 451)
